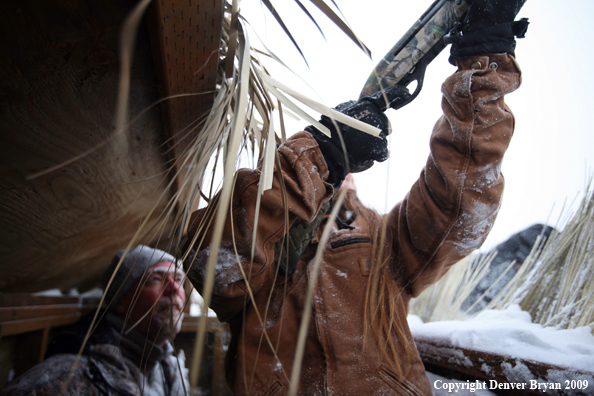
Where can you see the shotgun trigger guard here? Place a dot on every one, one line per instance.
(416, 74)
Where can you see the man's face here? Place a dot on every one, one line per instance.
(156, 302)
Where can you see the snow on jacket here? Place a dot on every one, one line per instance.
(111, 364)
(446, 215)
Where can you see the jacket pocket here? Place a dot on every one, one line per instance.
(349, 241)
(400, 388)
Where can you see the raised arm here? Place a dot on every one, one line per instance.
(450, 210)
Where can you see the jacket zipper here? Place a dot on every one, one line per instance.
(349, 241)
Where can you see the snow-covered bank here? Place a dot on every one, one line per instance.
(511, 332)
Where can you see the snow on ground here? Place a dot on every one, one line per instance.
(511, 332)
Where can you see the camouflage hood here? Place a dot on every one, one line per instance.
(111, 364)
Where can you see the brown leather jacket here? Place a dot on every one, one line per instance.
(447, 214)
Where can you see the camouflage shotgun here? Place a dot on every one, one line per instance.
(407, 60)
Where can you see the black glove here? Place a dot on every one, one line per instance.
(488, 28)
(362, 149)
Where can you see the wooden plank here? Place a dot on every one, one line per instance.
(501, 368)
(25, 299)
(15, 306)
(23, 313)
(28, 325)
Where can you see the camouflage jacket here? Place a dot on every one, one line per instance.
(111, 364)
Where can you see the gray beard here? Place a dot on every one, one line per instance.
(163, 323)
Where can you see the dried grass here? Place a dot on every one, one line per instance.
(242, 119)
(239, 125)
(554, 284)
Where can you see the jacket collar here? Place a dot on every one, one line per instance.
(108, 331)
(134, 346)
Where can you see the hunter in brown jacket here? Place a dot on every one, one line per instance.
(358, 341)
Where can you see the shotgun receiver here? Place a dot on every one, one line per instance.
(407, 60)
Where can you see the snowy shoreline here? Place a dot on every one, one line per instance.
(510, 332)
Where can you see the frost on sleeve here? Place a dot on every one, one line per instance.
(451, 208)
(303, 171)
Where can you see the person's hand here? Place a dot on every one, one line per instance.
(488, 28)
(362, 149)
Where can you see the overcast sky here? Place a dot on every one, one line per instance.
(551, 154)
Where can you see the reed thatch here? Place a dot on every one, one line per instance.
(554, 283)
(240, 125)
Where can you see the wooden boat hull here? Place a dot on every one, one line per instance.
(62, 218)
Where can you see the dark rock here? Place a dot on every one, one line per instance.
(514, 250)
